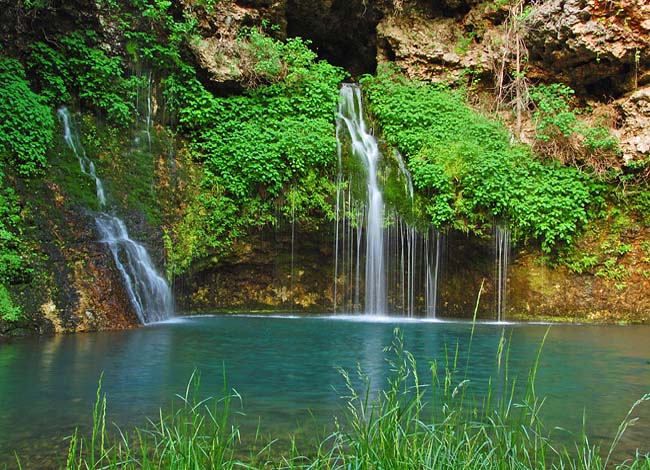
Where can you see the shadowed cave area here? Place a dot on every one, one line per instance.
(342, 32)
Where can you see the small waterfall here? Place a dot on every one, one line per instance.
(401, 262)
(148, 292)
(501, 260)
(434, 254)
(87, 166)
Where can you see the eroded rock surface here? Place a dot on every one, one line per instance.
(597, 46)
(634, 134)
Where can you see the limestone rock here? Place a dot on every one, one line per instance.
(429, 48)
(218, 51)
(597, 46)
(633, 134)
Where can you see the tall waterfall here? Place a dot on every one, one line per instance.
(501, 261)
(365, 148)
(383, 264)
(148, 292)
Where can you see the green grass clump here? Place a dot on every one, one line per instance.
(197, 435)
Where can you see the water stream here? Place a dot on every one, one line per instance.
(149, 293)
(364, 147)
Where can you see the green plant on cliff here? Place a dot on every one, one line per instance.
(12, 251)
(8, 310)
(26, 133)
(563, 135)
(267, 152)
(27, 124)
(468, 168)
(78, 67)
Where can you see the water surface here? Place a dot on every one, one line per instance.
(287, 369)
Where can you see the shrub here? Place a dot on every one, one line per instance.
(8, 311)
(467, 167)
(269, 151)
(27, 125)
(563, 136)
(81, 68)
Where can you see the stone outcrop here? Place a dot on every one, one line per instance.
(633, 133)
(218, 52)
(76, 284)
(265, 272)
(430, 48)
(599, 47)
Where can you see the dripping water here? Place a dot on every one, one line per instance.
(87, 166)
(501, 260)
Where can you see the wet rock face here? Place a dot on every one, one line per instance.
(264, 272)
(75, 285)
(599, 47)
(90, 293)
(20, 25)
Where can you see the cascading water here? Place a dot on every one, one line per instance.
(401, 262)
(501, 260)
(148, 292)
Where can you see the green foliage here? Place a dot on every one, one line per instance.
(8, 311)
(27, 124)
(26, 133)
(260, 58)
(271, 148)
(599, 139)
(81, 68)
(562, 135)
(553, 115)
(53, 73)
(468, 169)
(13, 253)
(11, 259)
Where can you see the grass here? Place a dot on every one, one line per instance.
(413, 423)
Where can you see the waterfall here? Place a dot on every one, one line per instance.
(147, 116)
(87, 166)
(501, 260)
(148, 292)
(401, 263)
(364, 147)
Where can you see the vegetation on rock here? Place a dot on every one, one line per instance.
(261, 148)
(26, 133)
(468, 168)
